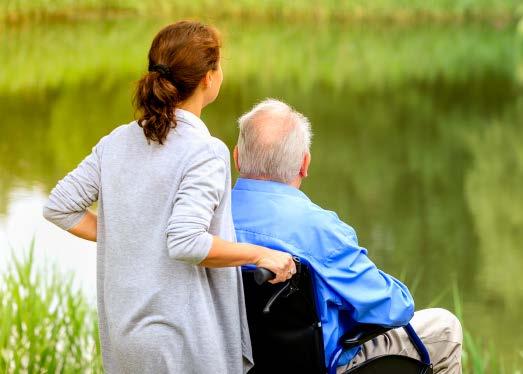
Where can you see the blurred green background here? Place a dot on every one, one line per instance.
(416, 108)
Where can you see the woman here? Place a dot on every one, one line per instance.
(170, 297)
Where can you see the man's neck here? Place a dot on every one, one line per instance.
(296, 183)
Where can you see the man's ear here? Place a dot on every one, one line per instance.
(235, 158)
(304, 169)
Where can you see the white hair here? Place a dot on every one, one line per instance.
(273, 140)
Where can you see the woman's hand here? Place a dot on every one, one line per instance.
(224, 253)
(280, 263)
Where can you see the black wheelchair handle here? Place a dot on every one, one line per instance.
(262, 275)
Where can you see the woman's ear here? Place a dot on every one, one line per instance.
(235, 158)
(207, 80)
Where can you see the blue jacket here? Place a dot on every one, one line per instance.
(349, 288)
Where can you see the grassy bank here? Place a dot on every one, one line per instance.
(45, 57)
(47, 326)
(402, 11)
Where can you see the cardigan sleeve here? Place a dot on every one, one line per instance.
(70, 198)
(195, 202)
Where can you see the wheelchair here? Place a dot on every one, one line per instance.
(286, 333)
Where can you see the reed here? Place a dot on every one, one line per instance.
(46, 326)
(479, 357)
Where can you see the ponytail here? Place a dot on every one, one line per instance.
(156, 97)
(180, 56)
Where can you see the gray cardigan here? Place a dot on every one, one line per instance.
(159, 205)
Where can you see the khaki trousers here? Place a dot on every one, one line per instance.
(439, 330)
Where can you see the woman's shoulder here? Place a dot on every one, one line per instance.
(120, 130)
(202, 144)
(127, 128)
(130, 134)
(208, 148)
(110, 136)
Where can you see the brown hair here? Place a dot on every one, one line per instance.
(180, 56)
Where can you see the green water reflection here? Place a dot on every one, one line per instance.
(418, 136)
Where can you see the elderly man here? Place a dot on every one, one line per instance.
(273, 157)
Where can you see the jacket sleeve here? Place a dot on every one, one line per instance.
(70, 198)
(370, 295)
(198, 196)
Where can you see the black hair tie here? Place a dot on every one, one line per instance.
(162, 69)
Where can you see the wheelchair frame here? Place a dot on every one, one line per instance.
(287, 336)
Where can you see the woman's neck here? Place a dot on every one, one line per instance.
(193, 104)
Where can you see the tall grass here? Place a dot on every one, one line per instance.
(402, 10)
(46, 326)
(478, 358)
(57, 56)
(479, 355)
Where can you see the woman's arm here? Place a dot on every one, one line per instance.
(225, 253)
(188, 238)
(86, 228)
(68, 202)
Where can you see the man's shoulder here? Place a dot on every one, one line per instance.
(317, 216)
(296, 221)
(326, 222)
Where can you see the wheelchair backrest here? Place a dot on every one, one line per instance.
(287, 339)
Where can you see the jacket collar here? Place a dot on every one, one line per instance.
(186, 117)
(257, 185)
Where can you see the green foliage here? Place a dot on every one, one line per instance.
(46, 325)
(398, 10)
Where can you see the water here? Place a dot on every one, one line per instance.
(418, 141)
